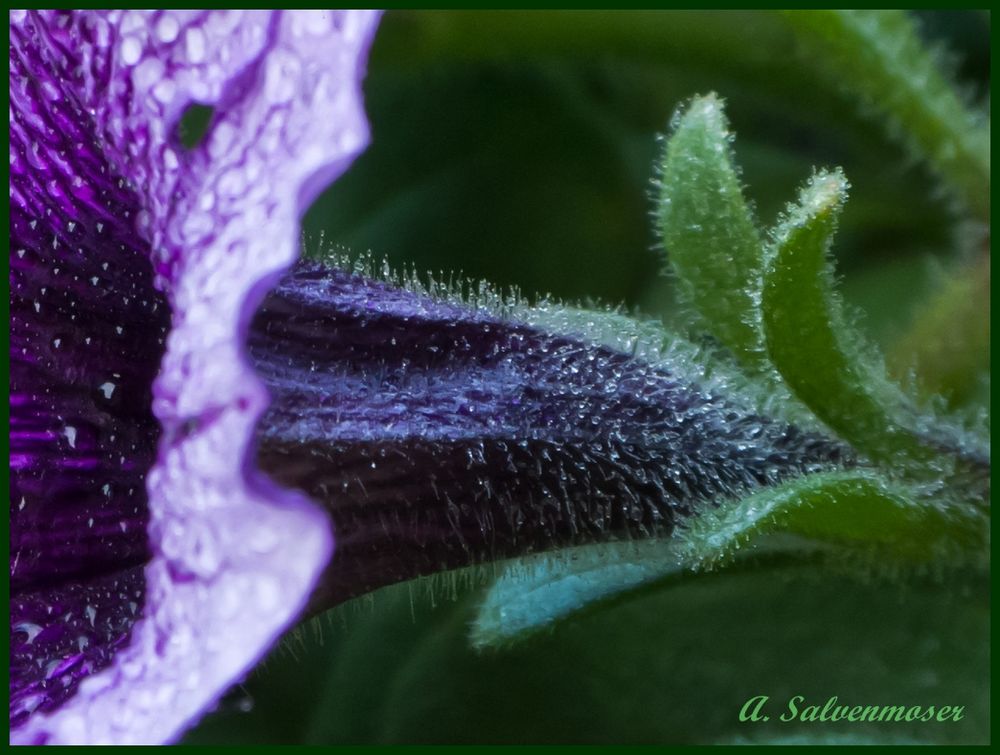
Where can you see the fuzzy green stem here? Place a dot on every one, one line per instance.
(879, 57)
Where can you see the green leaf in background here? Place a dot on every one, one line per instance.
(709, 235)
(672, 663)
(879, 56)
(947, 347)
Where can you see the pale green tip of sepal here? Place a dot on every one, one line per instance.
(709, 236)
(535, 592)
(818, 207)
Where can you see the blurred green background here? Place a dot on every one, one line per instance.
(519, 148)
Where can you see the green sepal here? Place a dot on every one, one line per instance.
(825, 363)
(711, 242)
(869, 521)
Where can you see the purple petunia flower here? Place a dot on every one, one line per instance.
(105, 203)
(154, 556)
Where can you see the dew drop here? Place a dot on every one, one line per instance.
(131, 51)
(30, 629)
(167, 29)
(194, 45)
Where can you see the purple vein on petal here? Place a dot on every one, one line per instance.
(87, 335)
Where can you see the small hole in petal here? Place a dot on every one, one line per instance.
(193, 125)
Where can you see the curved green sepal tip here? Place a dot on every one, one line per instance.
(534, 593)
(823, 359)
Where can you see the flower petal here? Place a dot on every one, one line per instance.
(234, 557)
